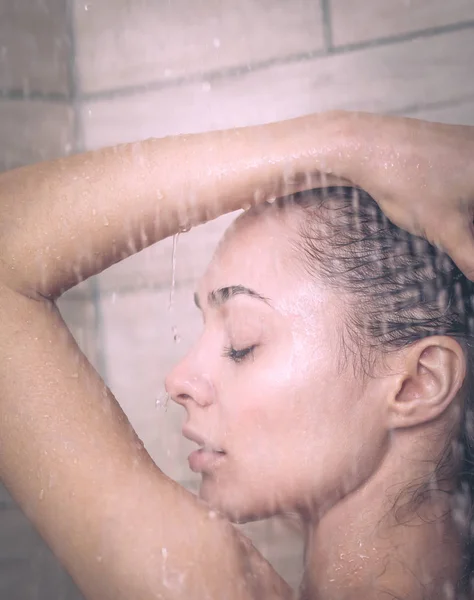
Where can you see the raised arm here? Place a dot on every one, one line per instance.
(66, 220)
(68, 454)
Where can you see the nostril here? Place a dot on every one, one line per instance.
(184, 385)
(178, 397)
(184, 397)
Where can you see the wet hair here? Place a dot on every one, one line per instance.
(400, 289)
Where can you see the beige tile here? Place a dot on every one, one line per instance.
(28, 569)
(34, 46)
(129, 42)
(457, 114)
(152, 268)
(360, 20)
(17, 537)
(31, 131)
(5, 498)
(388, 78)
(281, 544)
(83, 290)
(80, 315)
(139, 346)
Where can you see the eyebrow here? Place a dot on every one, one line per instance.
(222, 295)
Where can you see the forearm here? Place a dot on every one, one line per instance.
(63, 221)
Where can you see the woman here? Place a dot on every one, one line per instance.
(329, 425)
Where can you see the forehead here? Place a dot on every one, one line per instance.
(259, 251)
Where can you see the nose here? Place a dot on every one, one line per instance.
(186, 383)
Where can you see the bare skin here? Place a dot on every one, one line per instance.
(63, 434)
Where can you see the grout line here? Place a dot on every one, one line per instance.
(203, 76)
(236, 71)
(228, 73)
(410, 36)
(327, 24)
(17, 94)
(416, 108)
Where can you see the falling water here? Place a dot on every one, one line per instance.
(163, 398)
(173, 270)
(174, 328)
(162, 401)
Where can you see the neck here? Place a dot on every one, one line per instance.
(380, 542)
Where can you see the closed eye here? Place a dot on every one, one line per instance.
(238, 355)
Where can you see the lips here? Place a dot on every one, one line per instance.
(205, 444)
(205, 461)
(207, 457)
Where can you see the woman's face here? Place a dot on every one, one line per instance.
(284, 424)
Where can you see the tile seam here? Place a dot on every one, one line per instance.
(239, 70)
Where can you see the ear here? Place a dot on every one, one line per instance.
(433, 371)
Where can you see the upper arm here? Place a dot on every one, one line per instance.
(76, 467)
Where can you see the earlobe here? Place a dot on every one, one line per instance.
(433, 371)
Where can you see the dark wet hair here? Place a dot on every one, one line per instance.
(400, 289)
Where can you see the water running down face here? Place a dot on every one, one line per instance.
(284, 426)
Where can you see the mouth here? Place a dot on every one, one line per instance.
(207, 457)
(204, 460)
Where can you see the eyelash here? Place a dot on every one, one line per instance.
(238, 355)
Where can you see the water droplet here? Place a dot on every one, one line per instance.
(173, 269)
(41, 495)
(162, 401)
(206, 86)
(174, 329)
(216, 43)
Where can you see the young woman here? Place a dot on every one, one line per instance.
(330, 380)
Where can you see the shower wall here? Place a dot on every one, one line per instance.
(80, 75)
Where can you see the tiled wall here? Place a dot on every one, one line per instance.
(82, 74)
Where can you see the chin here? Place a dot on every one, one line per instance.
(235, 503)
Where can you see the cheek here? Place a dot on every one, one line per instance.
(282, 398)
(293, 411)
